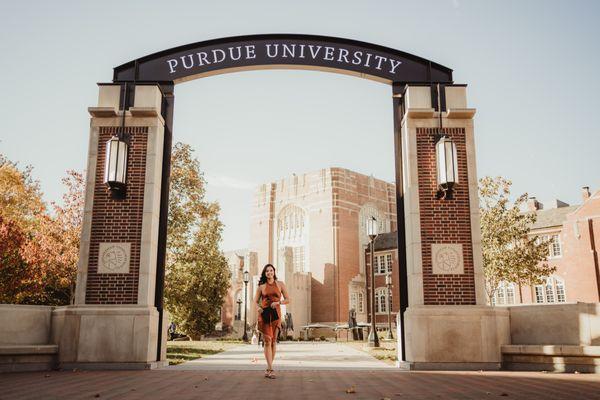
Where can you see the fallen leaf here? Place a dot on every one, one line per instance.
(206, 378)
(503, 394)
(97, 395)
(350, 390)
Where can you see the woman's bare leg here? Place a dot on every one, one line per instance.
(274, 345)
(268, 352)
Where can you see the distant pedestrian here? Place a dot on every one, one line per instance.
(268, 298)
(172, 330)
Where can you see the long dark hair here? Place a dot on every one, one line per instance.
(263, 275)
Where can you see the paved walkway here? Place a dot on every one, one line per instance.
(291, 385)
(305, 371)
(291, 356)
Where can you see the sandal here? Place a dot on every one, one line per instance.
(270, 374)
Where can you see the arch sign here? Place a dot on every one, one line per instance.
(122, 257)
(278, 51)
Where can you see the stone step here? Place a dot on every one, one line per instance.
(555, 358)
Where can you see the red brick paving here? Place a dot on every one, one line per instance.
(181, 385)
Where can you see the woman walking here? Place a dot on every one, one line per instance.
(268, 298)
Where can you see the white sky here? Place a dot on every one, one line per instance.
(531, 66)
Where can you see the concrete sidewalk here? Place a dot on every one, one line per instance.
(291, 356)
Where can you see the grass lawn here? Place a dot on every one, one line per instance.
(386, 353)
(180, 352)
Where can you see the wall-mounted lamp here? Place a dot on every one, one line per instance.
(447, 167)
(115, 170)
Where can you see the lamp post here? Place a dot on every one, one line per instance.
(388, 283)
(372, 231)
(246, 280)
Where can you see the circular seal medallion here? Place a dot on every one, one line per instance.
(114, 258)
(447, 259)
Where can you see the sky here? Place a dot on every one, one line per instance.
(531, 68)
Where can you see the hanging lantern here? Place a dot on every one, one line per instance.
(246, 276)
(115, 170)
(447, 166)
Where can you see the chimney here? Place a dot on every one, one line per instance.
(585, 193)
(533, 204)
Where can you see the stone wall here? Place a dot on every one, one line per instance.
(25, 325)
(556, 324)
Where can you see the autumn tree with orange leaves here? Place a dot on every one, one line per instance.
(38, 249)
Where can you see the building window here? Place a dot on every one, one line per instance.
(382, 263)
(292, 231)
(298, 259)
(560, 291)
(356, 302)
(510, 294)
(555, 247)
(539, 294)
(361, 302)
(382, 300)
(505, 294)
(549, 291)
(553, 291)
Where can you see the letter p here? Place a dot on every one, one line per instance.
(172, 64)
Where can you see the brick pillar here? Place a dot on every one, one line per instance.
(447, 303)
(114, 319)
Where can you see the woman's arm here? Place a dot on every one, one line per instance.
(286, 296)
(257, 298)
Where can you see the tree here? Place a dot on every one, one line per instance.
(54, 248)
(39, 251)
(21, 207)
(510, 253)
(16, 279)
(20, 195)
(197, 276)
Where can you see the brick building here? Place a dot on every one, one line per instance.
(312, 228)
(574, 251)
(385, 259)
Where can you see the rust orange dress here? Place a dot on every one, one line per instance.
(269, 294)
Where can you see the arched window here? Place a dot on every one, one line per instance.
(292, 231)
(552, 291)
